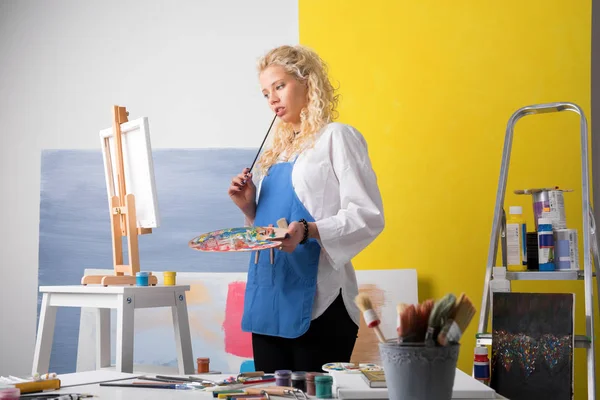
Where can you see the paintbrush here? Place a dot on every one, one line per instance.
(455, 327)
(423, 312)
(401, 307)
(438, 317)
(371, 319)
(408, 320)
(262, 144)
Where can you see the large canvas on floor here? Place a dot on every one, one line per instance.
(192, 195)
(532, 345)
(215, 306)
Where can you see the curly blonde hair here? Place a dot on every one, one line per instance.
(321, 108)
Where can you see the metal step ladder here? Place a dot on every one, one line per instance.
(590, 243)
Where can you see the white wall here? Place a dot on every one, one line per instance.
(189, 65)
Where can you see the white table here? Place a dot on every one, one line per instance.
(89, 384)
(125, 299)
(353, 387)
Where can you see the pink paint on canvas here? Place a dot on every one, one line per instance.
(237, 342)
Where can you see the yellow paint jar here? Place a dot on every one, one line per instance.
(169, 278)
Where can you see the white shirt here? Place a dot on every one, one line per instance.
(336, 183)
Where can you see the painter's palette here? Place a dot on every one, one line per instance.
(350, 367)
(238, 239)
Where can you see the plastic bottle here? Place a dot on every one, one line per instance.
(499, 283)
(481, 365)
(516, 236)
(545, 245)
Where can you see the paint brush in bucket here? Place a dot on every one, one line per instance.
(440, 313)
(371, 319)
(454, 327)
(408, 322)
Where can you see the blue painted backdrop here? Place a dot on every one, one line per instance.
(75, 226)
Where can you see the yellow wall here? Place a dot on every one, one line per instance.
(431, 85)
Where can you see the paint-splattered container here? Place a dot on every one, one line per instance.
(550, 199)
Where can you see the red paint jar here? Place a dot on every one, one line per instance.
(203, 364)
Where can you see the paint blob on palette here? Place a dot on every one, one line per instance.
(350, 367)
(238, 239)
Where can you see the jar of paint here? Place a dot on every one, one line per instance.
(203, 364)
(283, 377)
(10, 393)
(169, 278)
(324, 384)
(141, 279)
(310, 382)
(481, 365)
(299, 380)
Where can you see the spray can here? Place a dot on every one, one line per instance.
(516, 236)
(545, 245)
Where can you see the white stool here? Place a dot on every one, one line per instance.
(125, 299)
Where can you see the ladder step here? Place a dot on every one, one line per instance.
(571, 275)
(485, 339)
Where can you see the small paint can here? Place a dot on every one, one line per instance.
(299, 380)
(283, 377)
(310, 382)
(141, 279)
(10, 393)
(169, 278)
(203, 364)
(554, 201)
(567, 254)
(324, 385)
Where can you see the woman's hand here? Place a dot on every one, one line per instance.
(294, 236)
(243, 193)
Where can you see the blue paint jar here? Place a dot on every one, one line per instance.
(141, 279)
(324, 385)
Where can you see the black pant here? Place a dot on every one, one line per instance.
(330, 338)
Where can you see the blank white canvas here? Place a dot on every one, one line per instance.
(138, 166)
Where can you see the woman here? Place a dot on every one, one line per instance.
(299, 304)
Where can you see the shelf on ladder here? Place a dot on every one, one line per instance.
(571, 275)
(485, 339)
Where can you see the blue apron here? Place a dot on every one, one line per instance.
(279, 296)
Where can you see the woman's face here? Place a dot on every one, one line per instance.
(285, 94)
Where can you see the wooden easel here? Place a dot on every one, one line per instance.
(123, 219)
